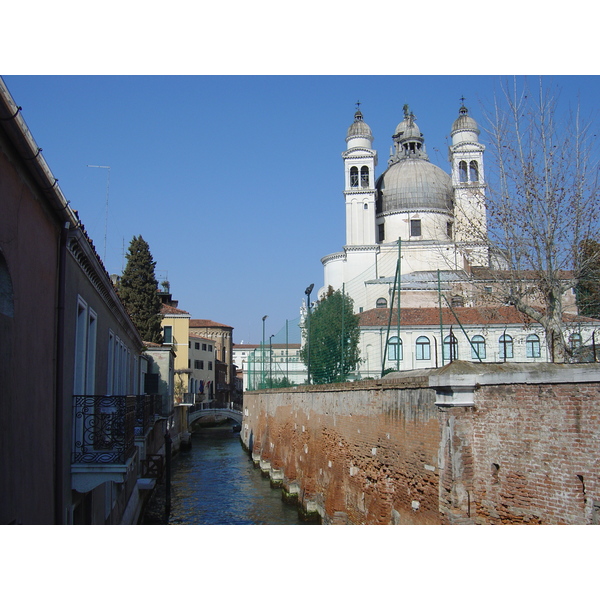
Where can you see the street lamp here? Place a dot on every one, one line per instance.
(307, 291)
(263, 351)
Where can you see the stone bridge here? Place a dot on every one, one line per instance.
(230, 411)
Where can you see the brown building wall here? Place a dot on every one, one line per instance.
(29, 242)
(465, 444)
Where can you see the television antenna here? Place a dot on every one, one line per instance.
(106, 213)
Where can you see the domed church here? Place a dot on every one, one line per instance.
(415, 209)
(415, 249)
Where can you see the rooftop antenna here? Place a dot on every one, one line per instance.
(106, 213)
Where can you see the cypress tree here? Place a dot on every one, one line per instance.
(138, 290)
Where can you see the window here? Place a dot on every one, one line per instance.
(85, 349)
(473, 171)
(462, 171)
(198, 364)
(394, 348)
(196, 345)
(423, 348)
(210, 347)
(478, 347)
(381, 303)
(354, 177)
(449, 230)
(364, 177)
(210, 365)
(575, 341)
(450, 351)
(506, 346)
(457, 301)
(7, 306)
(204, 347)
(532, 345)
(168, 334)
(381, 232)
(415, 227)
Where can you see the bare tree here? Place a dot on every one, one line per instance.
(542, 203)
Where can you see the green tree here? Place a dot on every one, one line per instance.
(331, 335)
(588, 286)
(138, 290)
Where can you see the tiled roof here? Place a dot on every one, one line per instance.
(207, 323)
(195, 336)
(171, 310)
(379, 317)
(482, 315)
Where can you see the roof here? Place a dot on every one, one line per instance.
(207, 323)
(171, 310)
(430, 316)
(199, 337)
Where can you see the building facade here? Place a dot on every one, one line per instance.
(415, 242)
(77, 429)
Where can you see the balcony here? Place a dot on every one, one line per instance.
(103, 439)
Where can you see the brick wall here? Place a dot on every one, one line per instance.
(358, 453)
(463, 444)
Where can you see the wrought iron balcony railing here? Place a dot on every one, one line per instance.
(103, 429)
(145, 408)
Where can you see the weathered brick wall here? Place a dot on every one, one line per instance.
(529, 454)
(463, 444)
(358, 453)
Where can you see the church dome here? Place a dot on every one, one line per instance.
(407, 129)
(414, 184)
(359, 128)
(464, 121)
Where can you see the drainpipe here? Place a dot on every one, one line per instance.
(59, 462)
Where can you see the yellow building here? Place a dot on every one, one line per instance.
(176, 333)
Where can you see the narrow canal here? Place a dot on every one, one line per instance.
(216, 483)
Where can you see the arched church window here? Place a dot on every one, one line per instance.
(478, 347)
(6, 289)
(354, 177)
(364, 177)
(450, 349)
(575, 341)
(473, 171)
(423, 348)
(462, 171)
(532, 345)
(505, 346)
(381, 303)
(394, 348)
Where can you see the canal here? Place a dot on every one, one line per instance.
(216, 483)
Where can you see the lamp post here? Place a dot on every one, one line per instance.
(263, 352)
(308, 290)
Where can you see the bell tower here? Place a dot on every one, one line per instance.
(360, 161)
(468, 181)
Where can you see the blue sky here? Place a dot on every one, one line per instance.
(235, 181)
